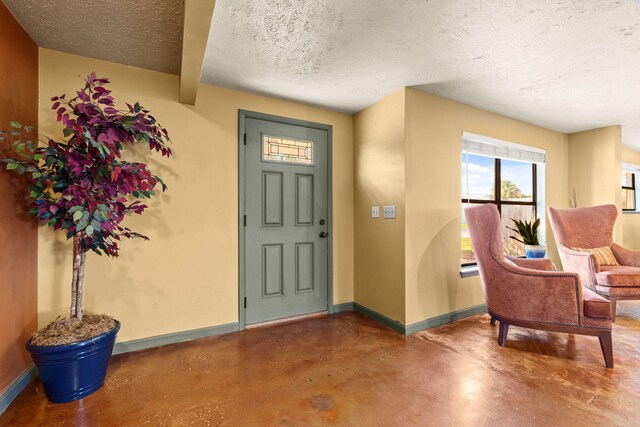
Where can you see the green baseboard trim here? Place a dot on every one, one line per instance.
(422, 325)
(380, 318)
(176, 337)
(444, 318)
(16, 387)
(345, 306)
(166, 339)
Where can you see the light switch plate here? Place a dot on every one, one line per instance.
(389, 211)
(375, 211)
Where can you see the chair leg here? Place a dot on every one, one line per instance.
(613, 309)
(493, 320)
(606, 345)
(502, 333)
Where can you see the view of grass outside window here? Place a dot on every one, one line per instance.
(516, 198)
(628, 191)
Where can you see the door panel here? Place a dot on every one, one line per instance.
(272, 199)
(304, 267)
(304, 200)
(286, 203)
(272, 279)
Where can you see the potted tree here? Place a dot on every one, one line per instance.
(83, 187)
(528, 232)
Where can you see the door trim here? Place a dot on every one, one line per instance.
(243, 115)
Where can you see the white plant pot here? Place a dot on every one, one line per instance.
(535, 251)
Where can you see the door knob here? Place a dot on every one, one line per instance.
(323, 234)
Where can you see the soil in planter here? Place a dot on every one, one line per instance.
(67, 331)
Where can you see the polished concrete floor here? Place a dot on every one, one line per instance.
(348, 370)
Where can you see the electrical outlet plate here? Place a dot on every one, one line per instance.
(375, 211)
(389, 211)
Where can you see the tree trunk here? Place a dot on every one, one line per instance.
(80, 286)
(77, 281)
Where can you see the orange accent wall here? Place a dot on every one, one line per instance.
(18, 233)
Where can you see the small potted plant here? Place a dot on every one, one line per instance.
(528, 232)
(82, 187)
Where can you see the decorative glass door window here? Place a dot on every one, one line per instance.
(284, 150)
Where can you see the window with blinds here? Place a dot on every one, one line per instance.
(489, 164)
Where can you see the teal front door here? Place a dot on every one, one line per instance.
(286, 223)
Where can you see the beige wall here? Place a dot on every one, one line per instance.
(404, 150)
(434, 128)
(186, 276)
(380, 180)
(631, 222)
(595, 159)
(408, 150)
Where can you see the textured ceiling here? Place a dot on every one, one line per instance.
(142, 33)
(568, 65)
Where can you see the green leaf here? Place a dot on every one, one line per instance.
(103, 207)
(15, 124)
(12, 166)
(89, 230)
(77, 215)
(75, 209)
(28, 128)
(98, 214)
(81, 225)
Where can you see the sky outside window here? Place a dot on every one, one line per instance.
(478, 177)
(517, 181)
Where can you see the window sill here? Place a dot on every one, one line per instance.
(468, 271)
(630, 212)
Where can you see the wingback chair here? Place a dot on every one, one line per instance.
(528, 293)
(588, 228)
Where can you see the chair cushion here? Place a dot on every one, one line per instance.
(594, 305)
(618, 275)
(604, 255)
(631, 292)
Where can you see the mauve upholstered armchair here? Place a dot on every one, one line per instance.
(589, 228)
(528, 293)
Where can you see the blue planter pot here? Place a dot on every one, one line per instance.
(535, 251)
(73, 371)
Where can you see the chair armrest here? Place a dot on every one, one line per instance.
(533, 295)
(626, 256)
(582, 263)
(543, 264)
